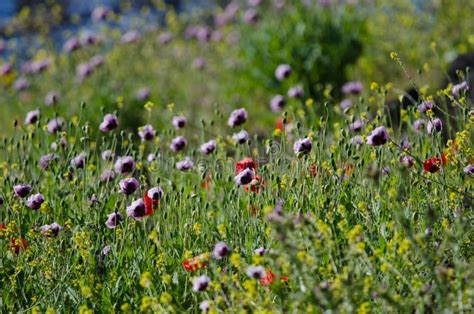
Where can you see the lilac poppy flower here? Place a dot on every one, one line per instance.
(407, 161)
(204, 306)
(221, 250)
(354, 88)
(256, 272)
(55, 125)
(32, 117)
(283, 71)
(302, 146)
(165, 38)
(356, 126)
(79, 161)
(198, 63)
(137, 209)
(208, 147)
(179, 122)
(277, 103)
(251, 16)
(378, 137)
(296, 92)
(469, 169)
(201, 283)
(147, 133)
(356, 140)
(88, 39)
(458, 88)
(113, 220)
(107, 176)
(128, 186)
(185, 164)
(244, 177)
(35, 201)
(21, 84)
(71, 44)
(51, 98)
(151, 157)
(5, 69)
(107, 155)
(260, 251)
(46, 160)
(419, 124)
(40, 65)
(51, 230)
(109, 123)
(237, 117)
(155, 193)
(178, 144)
(96, 61)
(22, 190)
(130, 37)
(143, 94)
(425, 106)
(124, 164)
(100, 13)
(83, 70)
(106, 250)
(241, 137)
(434, 125)
(345, 105)
(405, 144)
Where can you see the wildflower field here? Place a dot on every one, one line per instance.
(244, 156)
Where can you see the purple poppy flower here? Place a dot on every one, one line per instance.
(71, 44)
(201, 283)
(107, 155)
(107, 176)
(165, 38)
(296, 92)
(40, 65)
(55, 125)
(283, 71)
(204, 306)
(425, 106)
(463, 86)
(179, 122)
(198, 63)
(106, 250)
(405, 144)
(88, 39)
(277, 103)
(407, 161)
(21, 84)
(79, 161)
(96, 61)
(345, 105)
(302, 146)
(5, 69)
(143, 94)
(237, 117)
(356, 126)
(128, 186)
(51, 230)
(151, 157)
(147, 133)
(62, 144)
(419, 124)
(155, 193)
(137, 209)
(100, 13)
(469, 169)
(251, 16)
(22, 190)
(32, 117)
(241, 137)
(51, 98)
(83, 70)
(124, 164)
(221, 250)
(130, 37)
(35, 201)
(434, 125)
(244, 177)
(208, 147)
(354, 88)
(113, 220)
(356, 140)
(109, 123)
(379, 136)
(178, 144)
(260, 251)
(46, 160)
(185, 164)
(256, 272)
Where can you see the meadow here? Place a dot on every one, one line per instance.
(253, 157)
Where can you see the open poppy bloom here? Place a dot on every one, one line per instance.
(197, 262)
(18, 244)
(279, 124)
(432, 165)
(245, 163)
(270, 277)
(152, 199)
(313, 170)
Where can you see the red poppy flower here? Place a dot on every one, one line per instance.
(196, 262)
(2, 228)
(313, 170)
(432, 165)
(206, 182)
(18, 244)
(150, 204)
(270, 277)
(444, 159)
(279, 124)
(245, 163)
(255, 185)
